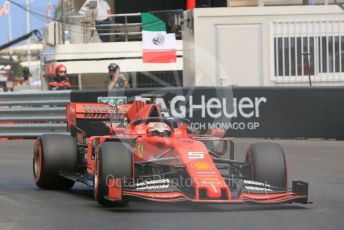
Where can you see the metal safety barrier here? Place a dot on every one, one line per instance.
(30, 114)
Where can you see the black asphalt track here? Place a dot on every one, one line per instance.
(23, 206)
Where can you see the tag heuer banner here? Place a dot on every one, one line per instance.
(268, 112)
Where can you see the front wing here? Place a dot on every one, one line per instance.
(298, 194)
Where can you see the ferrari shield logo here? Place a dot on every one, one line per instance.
(140, 150)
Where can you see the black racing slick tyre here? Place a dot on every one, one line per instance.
(268, 164)
(54, 153)
(114, 161)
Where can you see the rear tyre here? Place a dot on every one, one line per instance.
(267, 164)
(54, 153)
(114, 161)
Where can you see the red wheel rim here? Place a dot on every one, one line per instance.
(96, 179)
(37, 161)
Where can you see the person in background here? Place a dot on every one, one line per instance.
(60, 81)
(103, 17)
(117, 79)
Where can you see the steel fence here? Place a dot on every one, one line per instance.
(30, 114)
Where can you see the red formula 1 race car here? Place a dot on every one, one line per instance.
(132, 151)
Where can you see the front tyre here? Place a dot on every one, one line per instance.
(114, 160)
(268, 164)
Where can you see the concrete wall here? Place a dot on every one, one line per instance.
(95, 57)
(89, 61)
(299, 2)
(235, 45)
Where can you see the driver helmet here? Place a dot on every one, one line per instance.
(159, 129)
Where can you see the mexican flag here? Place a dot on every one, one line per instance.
(158, 45)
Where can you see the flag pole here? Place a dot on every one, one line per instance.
(28, 31)
(9, 18)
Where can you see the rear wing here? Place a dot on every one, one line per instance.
(92, 118)
(77, 111)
